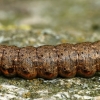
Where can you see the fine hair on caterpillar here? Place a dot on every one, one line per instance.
(49, 61)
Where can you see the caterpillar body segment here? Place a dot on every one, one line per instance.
(26, 66)
(9, 60)
(66, 60)
(86, 65)
(48, 61)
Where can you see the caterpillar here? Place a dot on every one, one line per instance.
(48, 61)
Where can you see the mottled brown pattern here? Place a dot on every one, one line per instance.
(26, 67)
(47, 62)
(65, 60)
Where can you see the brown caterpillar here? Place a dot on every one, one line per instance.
(48, 61)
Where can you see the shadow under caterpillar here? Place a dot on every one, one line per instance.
(65, 60)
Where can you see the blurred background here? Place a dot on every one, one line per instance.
(39, 22)
(49, 22)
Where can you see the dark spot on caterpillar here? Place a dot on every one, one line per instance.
(10, 70)
(64, 69)
(82, 53)
(67, 72)
(3, 68)
(86, 71)
(62, 54)
(49, 61)
(25, 72)
(41, 55)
